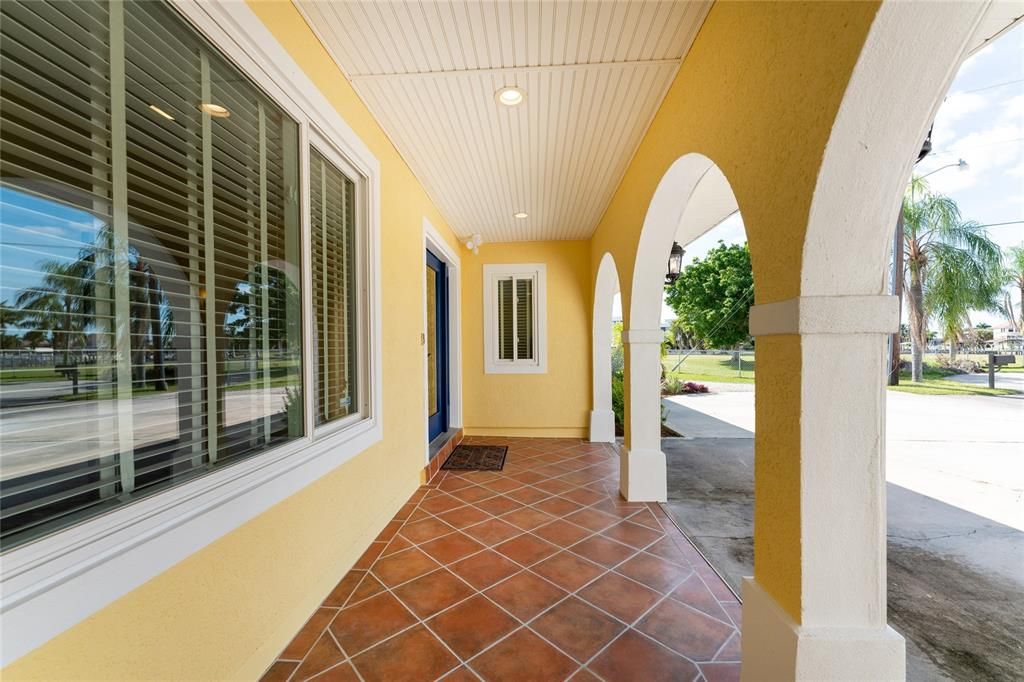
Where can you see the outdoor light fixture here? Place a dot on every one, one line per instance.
(510, 96)
(215, 110)
(963, 165)
(522, 215)
(474, 242)
(154, 108)
(675, 263)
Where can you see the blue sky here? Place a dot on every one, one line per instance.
(981, 121)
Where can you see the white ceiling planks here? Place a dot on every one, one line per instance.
(594, 73)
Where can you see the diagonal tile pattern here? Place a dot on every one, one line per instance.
(539, 571)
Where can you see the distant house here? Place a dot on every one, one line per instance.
(1007, 336)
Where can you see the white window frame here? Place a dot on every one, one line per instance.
(53, 583)
(539, 363)
(322, 143)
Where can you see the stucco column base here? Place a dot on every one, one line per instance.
(643, 475)
(602, 426)
(776, 648)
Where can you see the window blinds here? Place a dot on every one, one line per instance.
(149, 260)
(332, 224)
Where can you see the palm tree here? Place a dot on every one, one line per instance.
(951, 267)
(61, 303)
(1015, 278)
(10, 316)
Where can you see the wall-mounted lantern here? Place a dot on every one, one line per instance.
(675, 263)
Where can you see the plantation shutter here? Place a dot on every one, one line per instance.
(332, 220)
(516, 319)
(150, 254)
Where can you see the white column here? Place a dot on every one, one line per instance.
(642, 472)
(842, 632)
(602, 419)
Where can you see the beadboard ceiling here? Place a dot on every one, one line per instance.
(594, 73)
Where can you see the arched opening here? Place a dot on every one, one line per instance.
(887, 112)
(836, 331)
(602, 418)
(692, 197)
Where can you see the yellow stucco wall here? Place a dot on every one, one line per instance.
(226, 611)
(757, 94)
(553, 404)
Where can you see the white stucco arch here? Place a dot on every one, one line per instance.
(910, 57)
(602, 419)
(692, 197)
(843, 316)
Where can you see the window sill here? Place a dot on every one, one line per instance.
(516, 369)
(51, 584)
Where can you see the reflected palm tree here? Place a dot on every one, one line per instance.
(10, 316)
(61, 303)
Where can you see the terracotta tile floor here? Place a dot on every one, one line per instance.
(537, 572)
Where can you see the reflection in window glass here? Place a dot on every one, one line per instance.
(149, 261)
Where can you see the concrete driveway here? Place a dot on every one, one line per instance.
(956, 548)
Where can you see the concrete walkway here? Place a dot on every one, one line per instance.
(955, 580)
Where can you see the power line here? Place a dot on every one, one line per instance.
(987, 87)
(1011, 222)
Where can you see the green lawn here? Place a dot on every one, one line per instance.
(711, 368)
(946, 387)
(704, 368)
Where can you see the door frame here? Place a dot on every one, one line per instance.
(440, 247)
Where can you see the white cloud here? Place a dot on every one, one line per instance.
(972, 62)
(956, 107)
(994, 147)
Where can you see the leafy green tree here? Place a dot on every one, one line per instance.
(982, 332)
(951, 268)
(712, 296)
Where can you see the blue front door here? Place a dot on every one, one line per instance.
(437, 345)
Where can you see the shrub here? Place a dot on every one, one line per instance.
(618, 399)
(673, 386)
(959, 365)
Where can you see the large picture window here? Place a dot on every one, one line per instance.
(150, 259)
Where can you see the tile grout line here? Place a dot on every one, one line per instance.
(433, 490)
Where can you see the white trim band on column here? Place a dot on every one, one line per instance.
(642, 336)
(826, 315)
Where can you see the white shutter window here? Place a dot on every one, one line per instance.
(149, 261)
(515, 319)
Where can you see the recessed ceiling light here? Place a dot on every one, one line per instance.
(510, 96)
(521, 215)
(215, 110)
(158, 110)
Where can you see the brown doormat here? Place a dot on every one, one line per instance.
(477, 458)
